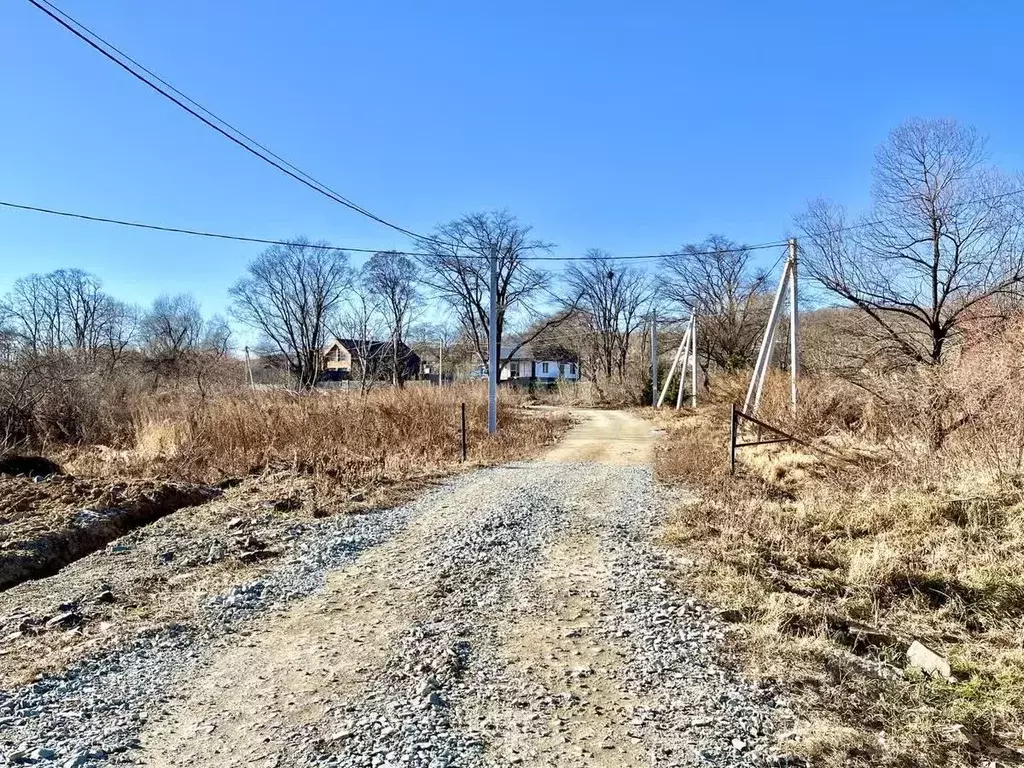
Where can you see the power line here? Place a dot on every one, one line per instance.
(195, 232)
(269, 241)
(56, 14)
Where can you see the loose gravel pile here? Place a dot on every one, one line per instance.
(446, 694)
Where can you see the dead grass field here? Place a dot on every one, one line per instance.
(220, 486)
(834, 568)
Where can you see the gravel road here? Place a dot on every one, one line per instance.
(521, 615)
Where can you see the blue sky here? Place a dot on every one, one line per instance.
(633, 127)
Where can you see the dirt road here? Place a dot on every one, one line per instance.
(521, 615)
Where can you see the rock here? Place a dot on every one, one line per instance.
(434, 700)
(428, 685)
(235, 522)
(739, 745)
(216, 553)
(106, 596)
(77, 761)
(256, 555)
(928, 661)
(166, 557)
(65, 620)
(958, 734)
(282, 505)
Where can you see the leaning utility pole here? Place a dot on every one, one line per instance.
(654, 359)
(492, 349)
(764, 355)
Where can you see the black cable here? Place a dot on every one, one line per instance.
(308, 181)
(192, 101)
(266, 241)
(196, 232)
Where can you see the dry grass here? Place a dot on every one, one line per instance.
(356, 440)
(836, 566)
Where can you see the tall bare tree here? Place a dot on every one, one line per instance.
(942, 245)
(718, 280)
(361, 321)
(393, 278)
(456, 266)
(291, 297)
(942, 242)
(62, 310)
(172, 332)
(613, 301)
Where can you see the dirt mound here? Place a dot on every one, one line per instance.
(44, 525)
(35, 466)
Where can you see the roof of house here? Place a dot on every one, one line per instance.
(370, 349)
(543, 352)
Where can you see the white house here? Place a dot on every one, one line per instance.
(547, 366)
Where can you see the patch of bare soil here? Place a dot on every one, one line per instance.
(46, 524)
(154, 575)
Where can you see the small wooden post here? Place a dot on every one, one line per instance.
(732, 439)
(464, 444)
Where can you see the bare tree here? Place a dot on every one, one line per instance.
(718, 280)
(361, 322)
(392, 277)
(80, 301)
(172, 331)
(291, 297)
(213, 350)
(941, 243)
(119, 329)
(457, 268)
(613, 301)
(941, 246)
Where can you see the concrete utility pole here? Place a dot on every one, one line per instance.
(794, 326)
(654, 360)
(248, 369)
(440, 361)
(492, 349)
(693, 352)
(764, 355)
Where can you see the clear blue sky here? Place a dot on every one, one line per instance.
(633, 127)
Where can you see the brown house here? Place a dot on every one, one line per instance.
(370, 358)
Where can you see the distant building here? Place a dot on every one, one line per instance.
(348, 358)
(541, 364)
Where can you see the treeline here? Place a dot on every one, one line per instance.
(939, 252)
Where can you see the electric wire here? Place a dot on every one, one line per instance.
(299, 176)
(270, 241)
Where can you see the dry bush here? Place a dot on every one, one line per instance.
(837, 564)
(358, 440)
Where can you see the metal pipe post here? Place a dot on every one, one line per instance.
(465, 446)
